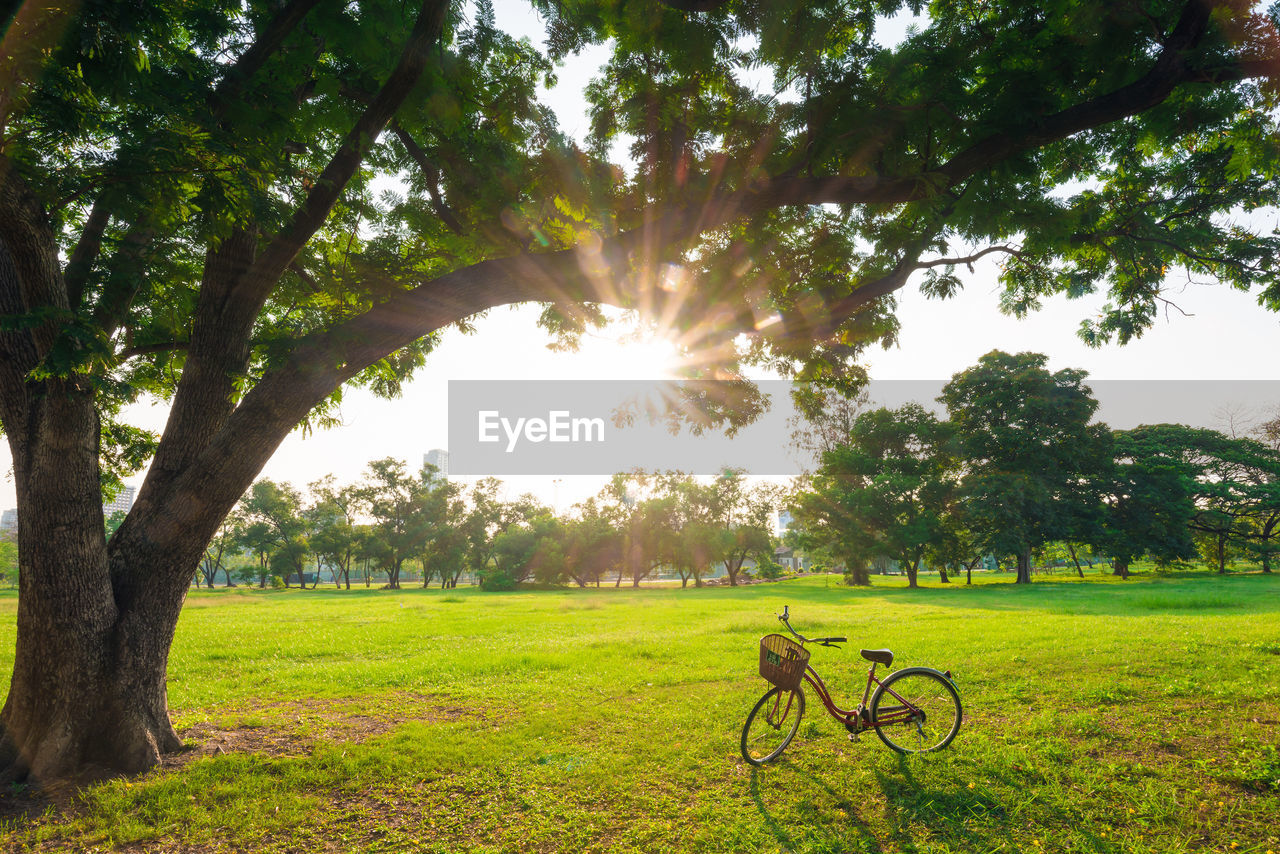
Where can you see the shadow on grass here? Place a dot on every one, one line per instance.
(944, 808)
(866, 838)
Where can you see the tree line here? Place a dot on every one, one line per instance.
(1019, 464)
(395, 523)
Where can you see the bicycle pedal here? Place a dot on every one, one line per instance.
(853, 736)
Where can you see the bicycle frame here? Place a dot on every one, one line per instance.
(858, 719)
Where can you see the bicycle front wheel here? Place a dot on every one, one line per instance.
(916, 710)
(771, 725)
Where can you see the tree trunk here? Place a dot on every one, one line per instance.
(912, 568)
(88, 685)
(1024, 566)
(1120, 567)
(1071, 548)
(1222, 554)
(733, 566)
(942, 574)
(1268, 531)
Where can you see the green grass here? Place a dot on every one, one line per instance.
(1101, 716)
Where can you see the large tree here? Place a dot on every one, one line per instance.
(187, 210)
(1033, 461)
(1232, 485)
(885, 490)
(1148, 499)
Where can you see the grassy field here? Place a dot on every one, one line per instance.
(1100, 716)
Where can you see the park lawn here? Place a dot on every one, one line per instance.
(1101, 716)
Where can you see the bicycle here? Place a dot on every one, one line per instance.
(928, 721)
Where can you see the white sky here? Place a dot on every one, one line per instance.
(1226, 336)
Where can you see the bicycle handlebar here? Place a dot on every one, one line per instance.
(785, 619)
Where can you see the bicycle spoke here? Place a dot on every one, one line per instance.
(916, 711)
(772, 725)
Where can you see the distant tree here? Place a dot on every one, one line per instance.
(1032, 459)
(956, 544)
(824, 418)
(690, 541)
(885, 489)
(531, 548)
(593, 544)
(331, 531)
(1236, 485)
(744, 516)
(217, 553)
(406, 509)
(488, 515)
(273, 528)
(115, 520)
(1149, 501)
(259, 540)
(9, 557)
(650, 536)
(446, 554)
(371, 552)
(1264, 525)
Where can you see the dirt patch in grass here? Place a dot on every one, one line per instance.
(294, 727)
(288, 728)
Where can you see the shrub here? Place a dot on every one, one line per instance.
(497, 580)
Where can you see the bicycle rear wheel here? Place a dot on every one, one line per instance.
(916, 710)
(771, 725)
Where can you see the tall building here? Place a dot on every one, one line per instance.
(438, 458)
(122, 501)
(8, 521)
(785, 520)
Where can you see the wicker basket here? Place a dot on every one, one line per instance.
(782, 661)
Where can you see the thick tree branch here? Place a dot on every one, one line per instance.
(431, 177)
(1170, 70)
(124, 277)
(121, 289)
(28, 235)
(147, 349)
(249, 62)
(969, 259)
(314, 210)
(86, 252)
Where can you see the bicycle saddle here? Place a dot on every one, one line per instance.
(879, 656)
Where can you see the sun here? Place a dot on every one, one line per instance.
(626, 351)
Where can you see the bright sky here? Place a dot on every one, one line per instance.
(1225, 335)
